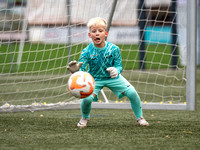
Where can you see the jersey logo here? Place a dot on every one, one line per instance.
(93, 55)
(108, 56)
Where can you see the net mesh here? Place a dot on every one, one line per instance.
(38, 39)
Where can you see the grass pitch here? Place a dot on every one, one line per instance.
(54, 57)
(108, 129)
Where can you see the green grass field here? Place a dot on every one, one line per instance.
(43, 57)
(108, 129)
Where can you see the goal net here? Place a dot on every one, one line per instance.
(39, 38)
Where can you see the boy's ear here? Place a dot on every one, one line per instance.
(89, 35)
(106, 33)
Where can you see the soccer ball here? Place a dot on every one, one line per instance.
(81, 84)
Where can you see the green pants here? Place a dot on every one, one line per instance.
(120, 87)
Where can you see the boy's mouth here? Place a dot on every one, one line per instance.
(97, 39)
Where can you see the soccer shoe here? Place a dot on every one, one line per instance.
(142, 122)
(83, 122)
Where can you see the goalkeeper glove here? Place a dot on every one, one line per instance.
(73, 66)
(113, 72)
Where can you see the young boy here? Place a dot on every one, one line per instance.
(105, 65)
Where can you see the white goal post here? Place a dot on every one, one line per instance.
(36, 46)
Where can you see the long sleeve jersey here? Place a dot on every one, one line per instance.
(99, 59)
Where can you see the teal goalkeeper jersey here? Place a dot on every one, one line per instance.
(99, 59)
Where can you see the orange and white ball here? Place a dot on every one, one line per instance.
(81, 84)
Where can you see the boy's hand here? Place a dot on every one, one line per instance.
(73, 66)
(113, 72)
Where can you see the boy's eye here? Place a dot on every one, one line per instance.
(94, 31)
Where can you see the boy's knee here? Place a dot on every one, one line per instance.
(88, 99)
(131, 92)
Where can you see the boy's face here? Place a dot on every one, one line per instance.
(98, 35)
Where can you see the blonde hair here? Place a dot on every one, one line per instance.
(96, 22)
